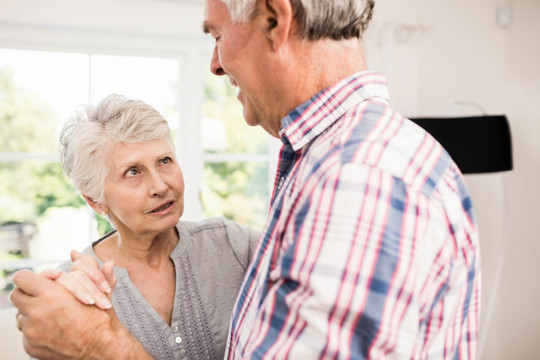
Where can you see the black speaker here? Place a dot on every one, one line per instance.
(478, 144)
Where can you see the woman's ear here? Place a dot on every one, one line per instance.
(98, 207)
(277, 16)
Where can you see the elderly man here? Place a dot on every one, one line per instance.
(370, 250)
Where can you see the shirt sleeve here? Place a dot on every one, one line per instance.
(346, 281)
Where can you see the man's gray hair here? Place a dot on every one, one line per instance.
(87, 139)
(316, 19)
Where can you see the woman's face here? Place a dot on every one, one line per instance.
(144, 188)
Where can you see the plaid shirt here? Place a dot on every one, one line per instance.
(370, 250)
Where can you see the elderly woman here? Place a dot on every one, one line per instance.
(176, 281)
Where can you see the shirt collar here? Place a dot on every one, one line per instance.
(311, 118)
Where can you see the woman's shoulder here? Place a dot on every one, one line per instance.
(216, 224)
(202, 225)
(222, 232)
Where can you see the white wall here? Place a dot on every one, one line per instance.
(518, 330)
(498, 68)
(444, 50)
(461, 54)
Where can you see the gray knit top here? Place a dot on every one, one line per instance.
(210, 258)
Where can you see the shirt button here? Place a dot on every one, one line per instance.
(175, 328)
(178, 339)
(182, 352)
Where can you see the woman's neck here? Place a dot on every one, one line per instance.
(129, 249)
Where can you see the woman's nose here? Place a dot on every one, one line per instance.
(157, 186)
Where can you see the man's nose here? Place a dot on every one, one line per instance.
(215, 65)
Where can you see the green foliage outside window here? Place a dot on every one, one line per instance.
(235, 189)
(29, 187)
(220, 103)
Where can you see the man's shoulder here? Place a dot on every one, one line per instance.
(374, 135)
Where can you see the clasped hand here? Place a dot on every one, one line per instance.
(53, 312)
(85, 280)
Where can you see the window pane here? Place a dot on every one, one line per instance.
(235, 182)
(236, 190)
(41, 217)
(38, 92)
(153, 80)
(224, 128)
(38, 192)
(29, 188)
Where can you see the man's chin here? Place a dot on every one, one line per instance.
(250, 119)
(251, 123)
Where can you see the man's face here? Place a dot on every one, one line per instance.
(240, 53)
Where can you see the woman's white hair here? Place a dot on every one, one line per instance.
(316, 19)
(90, 135)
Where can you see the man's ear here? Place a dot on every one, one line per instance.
(98, 207)
(277, 18)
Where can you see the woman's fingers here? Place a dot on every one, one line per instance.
(52, 274)
(83, 288)
(89, 265)
(108, 271)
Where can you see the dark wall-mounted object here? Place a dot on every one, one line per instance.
(478, 144)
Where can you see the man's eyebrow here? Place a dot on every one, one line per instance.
(206, 27)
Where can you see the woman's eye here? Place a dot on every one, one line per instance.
(166, 160)
(132, 172)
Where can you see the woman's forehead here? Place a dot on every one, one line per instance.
(131, 152)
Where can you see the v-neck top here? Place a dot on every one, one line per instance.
(210, 261)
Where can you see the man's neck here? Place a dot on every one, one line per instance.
(319, 64)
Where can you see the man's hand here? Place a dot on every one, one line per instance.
(55, 325)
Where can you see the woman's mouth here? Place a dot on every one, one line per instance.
(163, 208)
